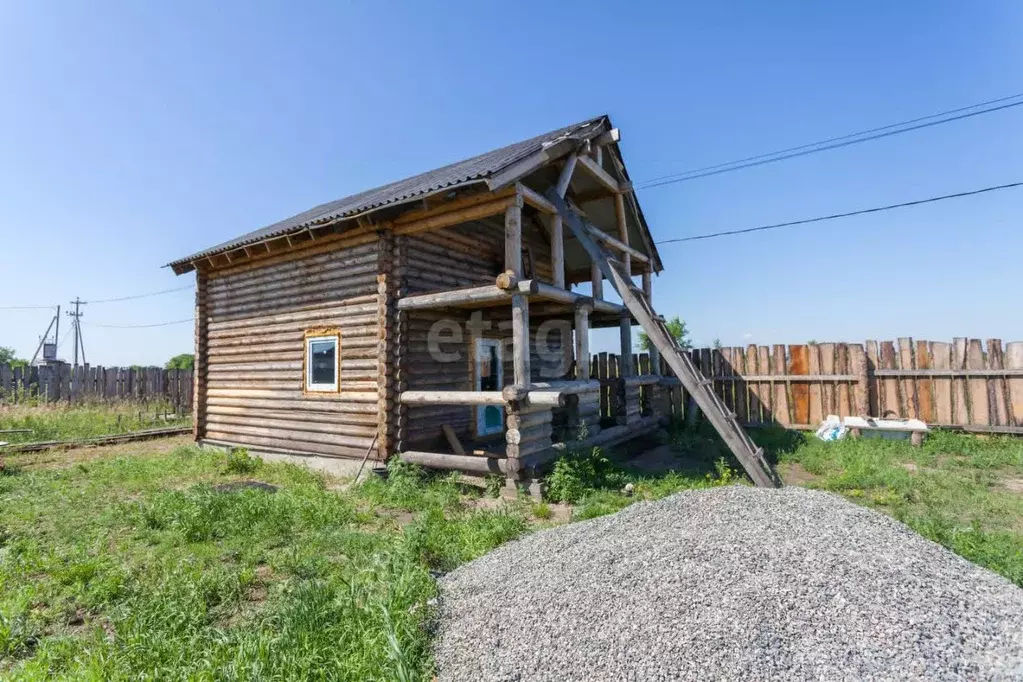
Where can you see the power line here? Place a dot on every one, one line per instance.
(825, 145)
(141, 326)
(132, 298)
(835, 216)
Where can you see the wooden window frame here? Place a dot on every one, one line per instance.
(316, 335)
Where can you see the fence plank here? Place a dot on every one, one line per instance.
(960, 414)
(996, 385)
(1014, 360)
(752, 388)
(873, 389)
(741, 390)
(781, 394)
(799, 362)
(925, 386)
(815, 390)
(941, 359)
(764, 389)
(889, 388)
(842, 366)
(980, 415)
(828, 390)
(908, 393)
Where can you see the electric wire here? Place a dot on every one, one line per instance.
(824, 145)
(835, 216)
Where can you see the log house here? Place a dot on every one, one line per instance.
(437, 318)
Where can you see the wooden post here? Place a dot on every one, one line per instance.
(513, 238)
(566, 174)
(1014, 360)
(597, 281)
(648, 291)
(558, 251)
(582, 342)
(861, 392)
(623, 231)
(520, 339)
(625, 329)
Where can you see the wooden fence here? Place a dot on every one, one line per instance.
(965, 384)
(53, 383)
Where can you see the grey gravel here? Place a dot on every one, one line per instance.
(726, 584)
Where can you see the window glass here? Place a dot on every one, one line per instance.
(321, 363)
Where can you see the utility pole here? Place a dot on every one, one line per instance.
(76, 328)
(42, 339)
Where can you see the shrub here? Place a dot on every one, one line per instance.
(239, 462)
(577, 473)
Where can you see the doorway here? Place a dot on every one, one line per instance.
(489, 373)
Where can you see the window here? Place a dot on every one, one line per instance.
(322, 359)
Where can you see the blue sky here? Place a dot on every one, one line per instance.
(135, 133)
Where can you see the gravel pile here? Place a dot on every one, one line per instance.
(729, 583)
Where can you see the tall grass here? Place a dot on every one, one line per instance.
(63, 421)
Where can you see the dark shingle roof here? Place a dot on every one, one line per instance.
(476, 169)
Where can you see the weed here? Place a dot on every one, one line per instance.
(542, 511)
(240, 462)
(494, 484)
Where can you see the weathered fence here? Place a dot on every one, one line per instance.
(56, 382)
(964, 384)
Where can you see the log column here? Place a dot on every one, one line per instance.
(585, 420)
(558, 251)
(528, 434)
(597, 280)
(623, 231)
(628, 397)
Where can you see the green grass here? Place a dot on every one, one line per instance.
(956, 489)
(72, 422)
(150, 568)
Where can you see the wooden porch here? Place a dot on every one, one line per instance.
(542, 417)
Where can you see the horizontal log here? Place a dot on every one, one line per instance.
(302, 413)
(635, 382)
(598, 173)
(525, 421)
(263, 426)
(313, 315)
(369, 396)
(455, 217)
(488, 293)
(620, 246)
(535, 199)
(283, 444)
(528, 435)
(942, 373)
(295, 434)
(451, 398)
(469, 463)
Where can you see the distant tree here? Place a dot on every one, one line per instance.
(677, 328)
(183, 361)
(9, 357)
(717, 344)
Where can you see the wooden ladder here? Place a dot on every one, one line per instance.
(724, 420)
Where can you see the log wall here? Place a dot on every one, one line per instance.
(470, 254)
(254, 323)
